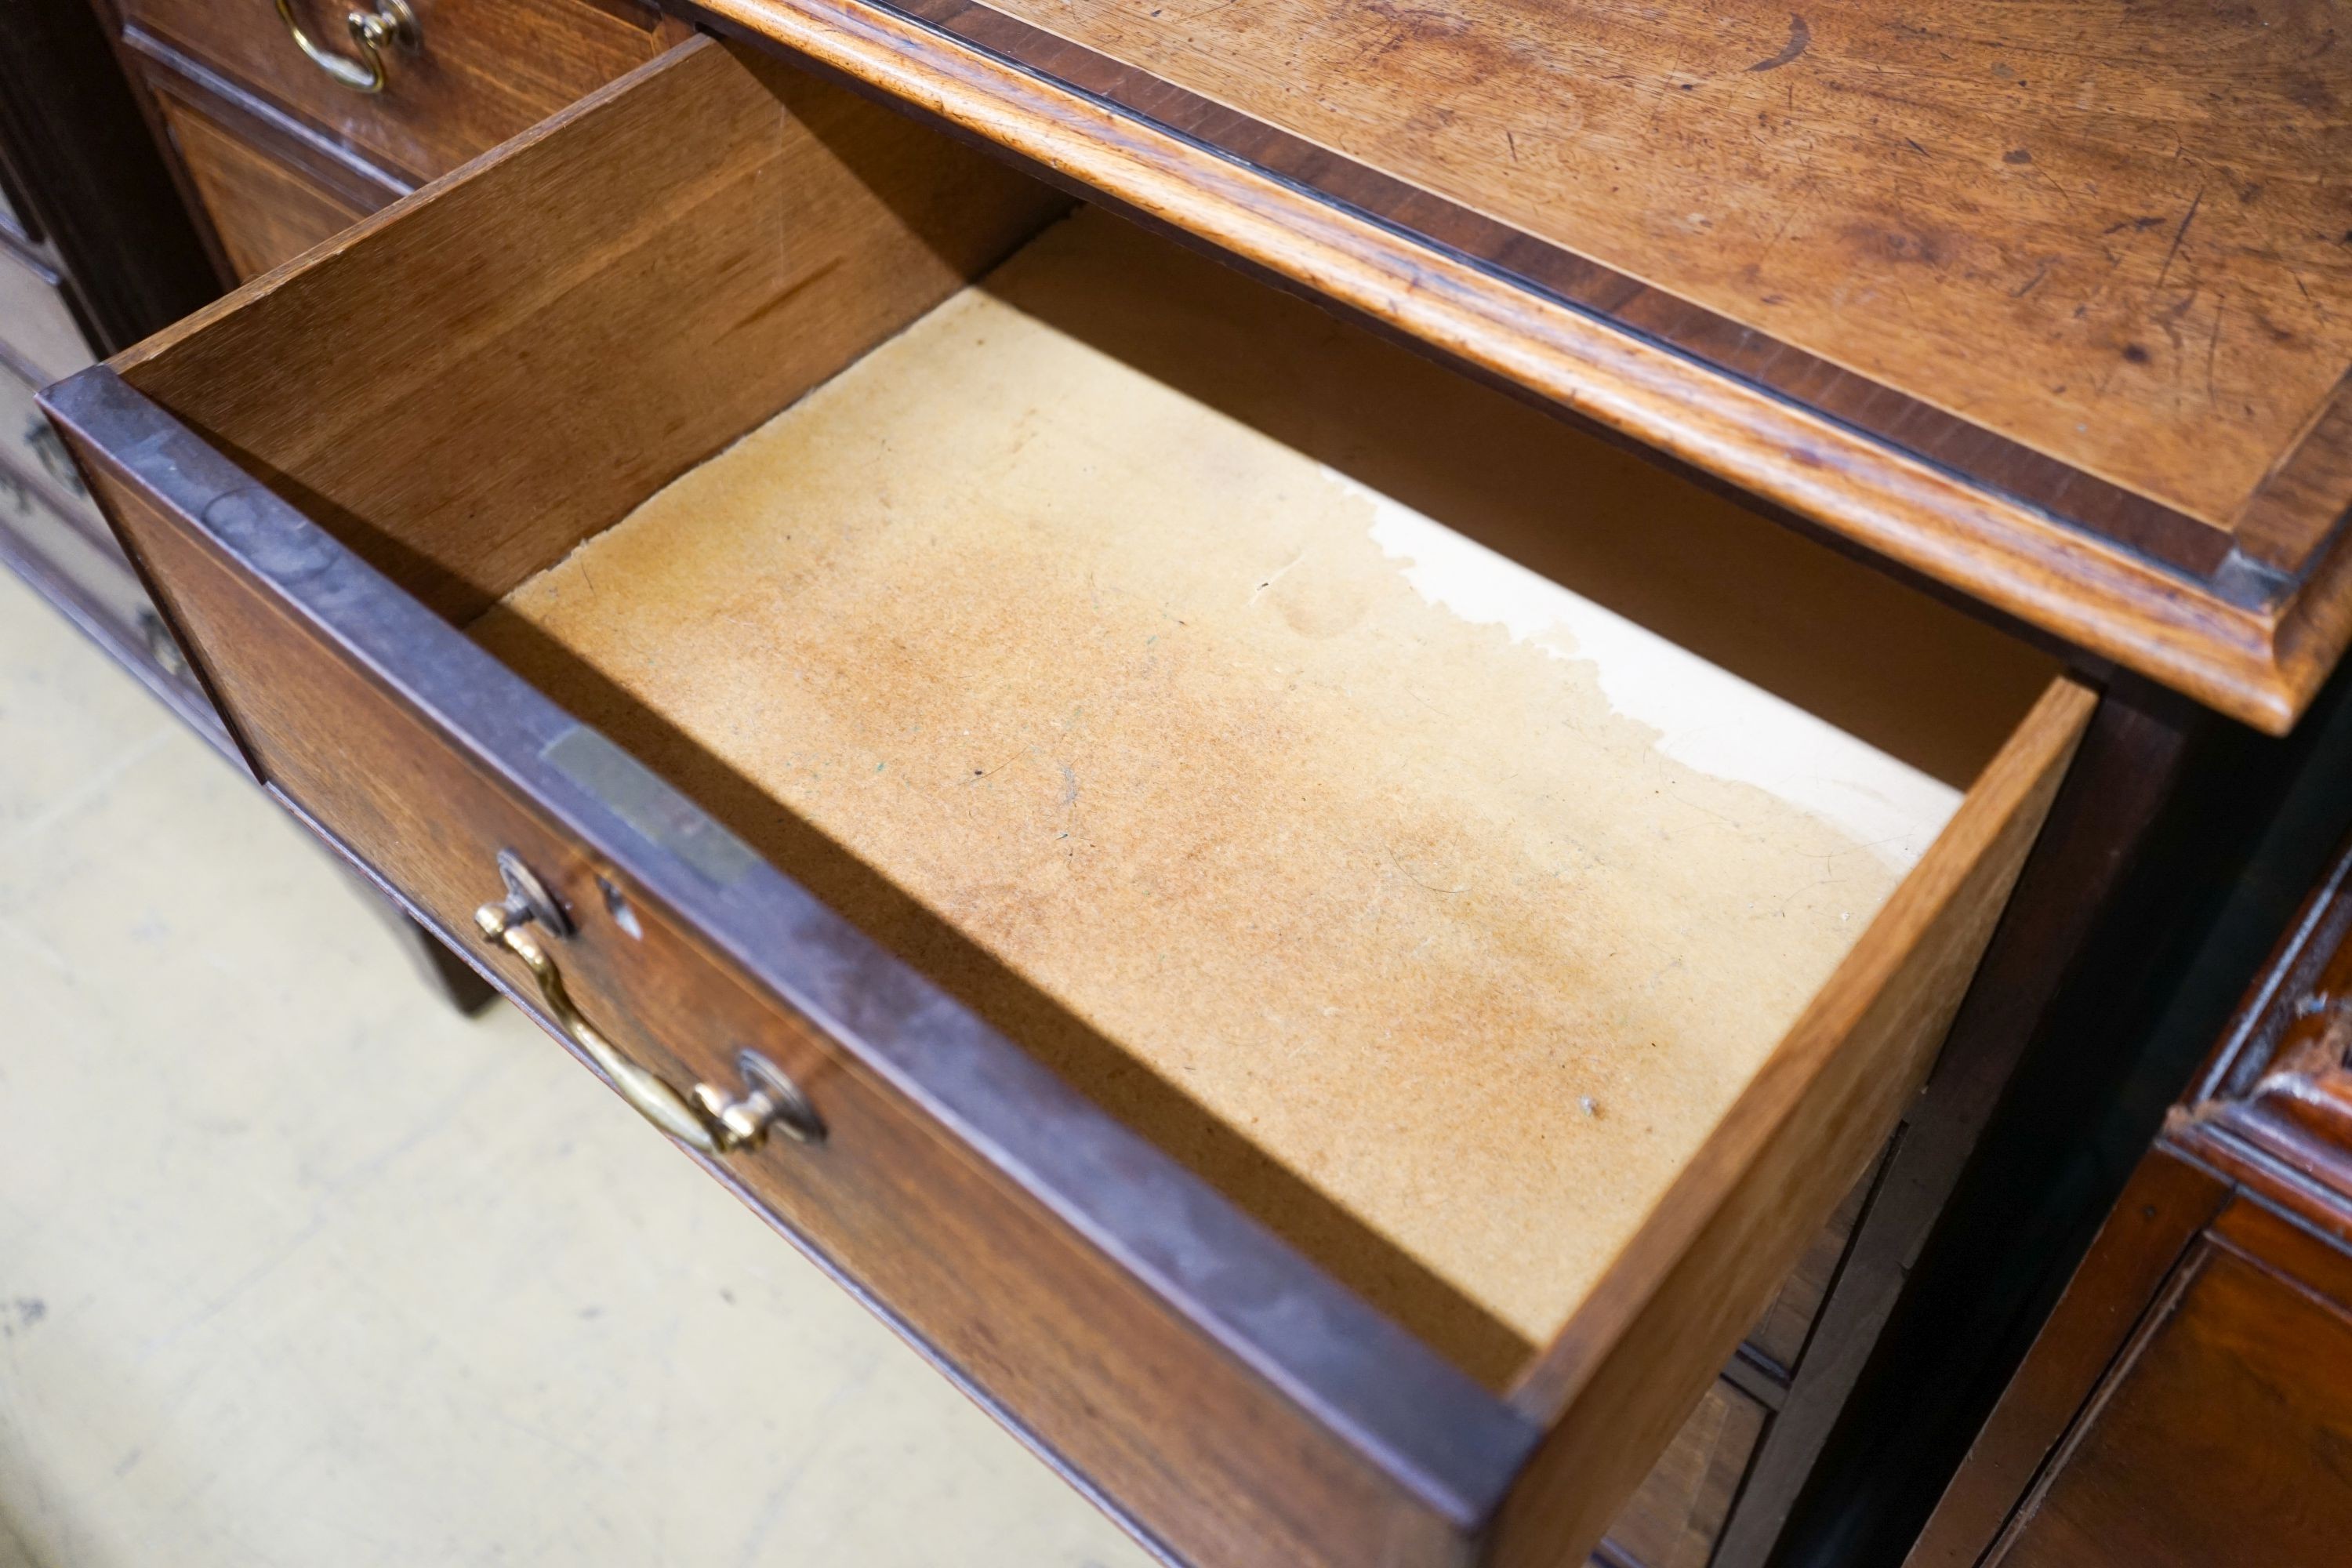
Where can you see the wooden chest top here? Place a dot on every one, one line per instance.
(2054, 303)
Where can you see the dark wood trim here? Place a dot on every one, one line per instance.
(2272, 1109)
(2306, 499)
(2237, 1173)
(2274, 1007)
(2175, 1217)
(2187, 545)
(1408, 1413)
(2282, 1244)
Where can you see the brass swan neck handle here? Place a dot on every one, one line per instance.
(391, 25)
(707, 1120)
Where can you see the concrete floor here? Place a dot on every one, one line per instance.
(297, 1266)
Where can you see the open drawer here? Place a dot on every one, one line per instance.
(1342, 935)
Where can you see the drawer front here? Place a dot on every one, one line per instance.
(36, 322)
(1130, 1362)
(1779, 1337)
(270, 188)
(1673, 1521)
(263, 211)
(482, 71)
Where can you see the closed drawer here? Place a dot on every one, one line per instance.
(479, 71)
(1345, 935)
(269, 190)
(1780, 1337)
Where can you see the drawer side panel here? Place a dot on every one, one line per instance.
(1619, 1376)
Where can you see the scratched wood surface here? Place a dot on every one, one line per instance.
(2114, 232)
(2247, 622)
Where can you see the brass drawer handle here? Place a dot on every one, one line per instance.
(392, 22)
(709, 1119)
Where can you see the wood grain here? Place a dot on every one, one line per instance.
(1121, 1306)
(2242, 640)
(489, 69)
(1781, 1334)
(2099, 847)
(1018, 616)
(1734, 1222)
(1115, 1312)
(1672, 1521)
(2219, 1438)
(735, 266)
(264, 211)
(2166, 1203)
(1895, 417)
(2108, 232)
